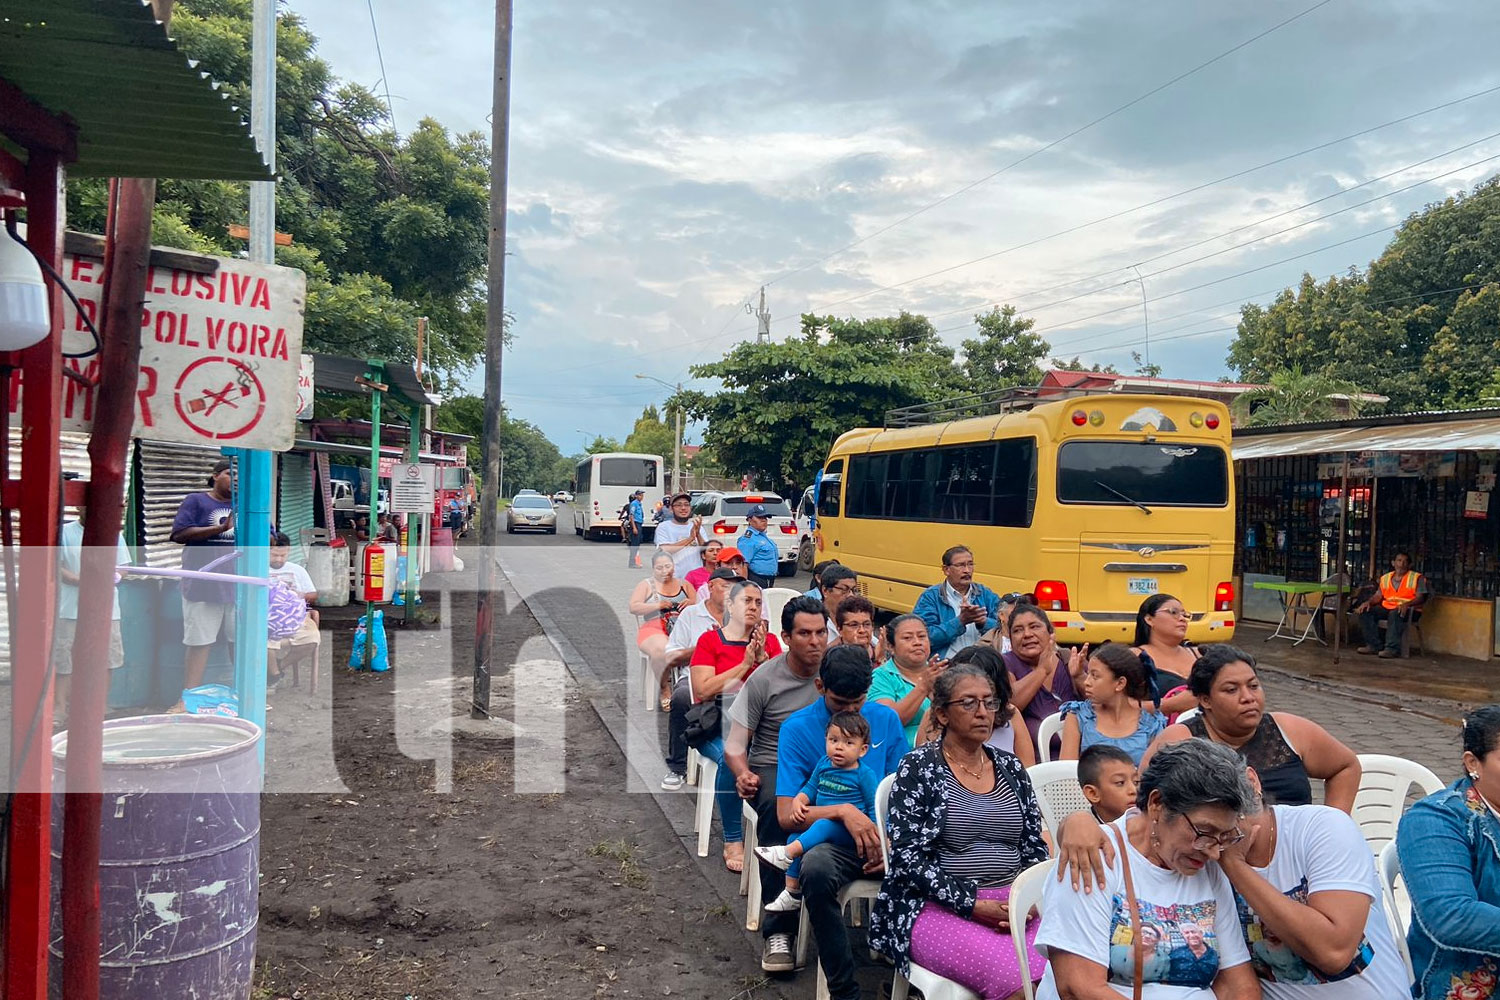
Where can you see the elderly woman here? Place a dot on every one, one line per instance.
(963, 824)
(1285, 750)
(1449, 844)
(1043, 678)
(656, 601)
(1010, 733)
(1189, 804)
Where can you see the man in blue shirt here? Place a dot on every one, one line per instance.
(843, 680)
(761, 554)
(957, 611)
(635, 517)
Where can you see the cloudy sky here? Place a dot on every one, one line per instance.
(670, 157)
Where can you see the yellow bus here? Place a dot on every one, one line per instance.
(1091, 502)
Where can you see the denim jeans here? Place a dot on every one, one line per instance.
(1395, 627)
(677, 747)
(728, 798)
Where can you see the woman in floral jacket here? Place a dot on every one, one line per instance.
(1449, 845)
(963, 824)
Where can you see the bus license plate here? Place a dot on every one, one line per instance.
(1142, 585)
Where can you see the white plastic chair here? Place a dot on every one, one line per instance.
(750, 877)
(1397, 903)
(703, 813)
(1051, 726)
(773, 599)
(1187, 714)
(1384, 784)
(1057, 791)
(1026, 895)
(860, 888)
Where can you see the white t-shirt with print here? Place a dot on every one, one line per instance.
(685, 559)
(1096, 926)
(1320, 849)
(295, 577)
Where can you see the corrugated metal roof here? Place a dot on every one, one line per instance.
(141, 108)
(1448, 435)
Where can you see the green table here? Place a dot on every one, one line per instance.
(1294, 602)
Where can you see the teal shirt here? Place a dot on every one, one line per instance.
(887, 683)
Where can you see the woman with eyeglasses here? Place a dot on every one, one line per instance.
(1188, 808)
(963, 823)
(1286, 750)
(1161, 625)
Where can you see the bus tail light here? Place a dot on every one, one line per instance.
(723, 528)
(1211, 421)
(1224, 597)
(1052, 595)
(1080, 418)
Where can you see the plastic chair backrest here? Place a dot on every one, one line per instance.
(773, 599)
(1397, 903)
(1050, 727)
(1187, 714)
(882, 814)
(1026, 893)
(1384, 784)
(1057, 792)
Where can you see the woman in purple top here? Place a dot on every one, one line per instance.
(1043, 678)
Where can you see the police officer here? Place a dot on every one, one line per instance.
(761, 555)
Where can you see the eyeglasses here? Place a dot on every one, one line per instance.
(971, 705)
(1207, 842)
(1174, 612)
(843, 588)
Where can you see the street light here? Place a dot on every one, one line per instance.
(677, 438)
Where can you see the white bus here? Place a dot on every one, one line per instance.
(605, 482)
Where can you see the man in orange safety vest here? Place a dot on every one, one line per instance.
(1399, 602)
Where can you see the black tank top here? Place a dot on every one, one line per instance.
(1283, 778)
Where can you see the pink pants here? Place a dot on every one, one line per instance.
(976, 957)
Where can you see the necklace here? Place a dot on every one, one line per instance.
(976, 773)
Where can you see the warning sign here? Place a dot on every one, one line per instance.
(412, 488)
(220, 353)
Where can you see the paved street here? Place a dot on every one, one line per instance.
(579, 591)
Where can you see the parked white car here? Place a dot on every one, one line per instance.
(724, 518)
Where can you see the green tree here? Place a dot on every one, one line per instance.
(783, 404)
(1006, 353)
(387, 230)
(602, 444)
(1294, 396)
(651, 435)
(1144, 368)
(531, 460)
(1077, 365)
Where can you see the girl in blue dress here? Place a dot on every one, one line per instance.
(1118, 709)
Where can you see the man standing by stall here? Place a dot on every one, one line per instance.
(204, 527)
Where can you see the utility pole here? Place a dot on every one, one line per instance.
(677, 448)
(1145, 313)
(489, 496)
(763, 329)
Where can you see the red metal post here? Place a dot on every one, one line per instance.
(28, 870)
(126, 264)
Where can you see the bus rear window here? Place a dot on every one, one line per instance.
(1119, 472)
(627, 472)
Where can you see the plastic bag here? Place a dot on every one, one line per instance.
(380, 660)
(286, 612)
(211, 699)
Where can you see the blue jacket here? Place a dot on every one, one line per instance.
(942, 621)
(1449, 846)
(760, 553)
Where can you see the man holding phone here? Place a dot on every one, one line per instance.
(958, 610)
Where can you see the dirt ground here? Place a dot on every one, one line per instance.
(391, 889)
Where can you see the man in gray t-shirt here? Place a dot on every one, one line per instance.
(776, 689)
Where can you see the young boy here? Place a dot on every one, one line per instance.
(839, 779)
(1107, 775)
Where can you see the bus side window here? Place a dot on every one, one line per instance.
(829, 490)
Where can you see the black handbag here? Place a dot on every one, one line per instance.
(704, 723)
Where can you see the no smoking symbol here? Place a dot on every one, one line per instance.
(220, 398)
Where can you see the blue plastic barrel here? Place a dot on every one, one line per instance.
(179, 856)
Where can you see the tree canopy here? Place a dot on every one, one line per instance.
(531, 461)
(1006, 353)
(1420, 325)
(386, 229)
(651, 435)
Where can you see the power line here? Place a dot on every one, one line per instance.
(1157, 201)
(1053, 144)
(384, 79)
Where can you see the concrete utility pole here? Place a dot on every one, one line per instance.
(763, 329)
(677, 437)
(489, 496)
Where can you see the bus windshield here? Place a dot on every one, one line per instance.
(1120, 473)
(627, 472)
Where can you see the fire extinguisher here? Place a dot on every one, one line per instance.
(374, 572)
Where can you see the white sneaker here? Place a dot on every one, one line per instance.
(777, 955)
(784, 903)
(673, 781)
(775, 855)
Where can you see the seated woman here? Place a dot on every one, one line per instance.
(1042, 678)
(657, 601)
(904, 682)
(963, 823)
(1189, 802)
(1117, 707)
(709, 553)
(721, 661)
(1161, 625)
(1285, 750)
(1448, 848)
(1010, 733)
